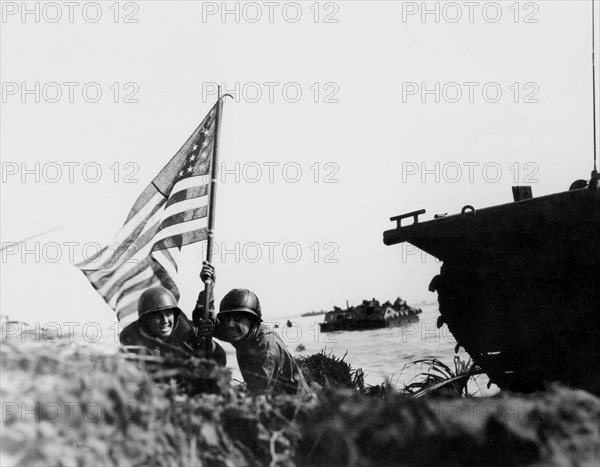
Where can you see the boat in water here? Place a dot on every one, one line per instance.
(519, 286)
(370, 315)
(313, 313)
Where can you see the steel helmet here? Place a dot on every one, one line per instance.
(156, 299)
(241, 300)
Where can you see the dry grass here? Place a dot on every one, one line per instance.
(67, 405)
(327, 371)
(440, 380)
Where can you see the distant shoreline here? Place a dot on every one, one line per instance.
(317, 313)
(313, 313)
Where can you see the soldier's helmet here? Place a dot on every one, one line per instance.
(156, 299)
(241, 300)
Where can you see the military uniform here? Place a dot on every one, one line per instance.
(265, 363)
(184, 334)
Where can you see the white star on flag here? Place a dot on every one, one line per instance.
(171, 212)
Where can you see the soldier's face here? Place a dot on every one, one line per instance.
(237, 325)
(161, 322)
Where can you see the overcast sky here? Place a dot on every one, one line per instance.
(344, 114)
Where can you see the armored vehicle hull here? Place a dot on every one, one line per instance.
(519, 287)
(370, 315)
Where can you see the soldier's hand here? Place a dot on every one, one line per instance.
(208, 272)
(201, 297)
(206, 328)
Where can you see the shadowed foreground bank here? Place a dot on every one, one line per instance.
(65, 405)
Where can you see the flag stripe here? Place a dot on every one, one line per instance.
(109, 280)
(146, 210)
(146, 278)
(185, 216)
(187, 193)
(182, 239)
(126, 235)
(136, 253)
(190, 182)
(129, 246)
(121, 276)
(183, 206)
(182, 228)
(170, 212)
(125, 296)
(93, 259)
(141, 247)
(168, 260)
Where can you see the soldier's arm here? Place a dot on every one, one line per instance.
(207, 274)
(133, 341)
(218, 354)
(206, 329)
(261, 374)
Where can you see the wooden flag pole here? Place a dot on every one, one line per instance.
(212, 203)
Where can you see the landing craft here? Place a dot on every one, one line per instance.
(519, 287)
(370, 315)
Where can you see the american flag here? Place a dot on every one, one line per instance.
(171, 212)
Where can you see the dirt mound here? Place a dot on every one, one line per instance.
(560, 426)
(66, 405)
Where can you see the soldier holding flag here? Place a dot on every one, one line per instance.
(264, 360)
(174, 210)
(162, 325)
(177, 208)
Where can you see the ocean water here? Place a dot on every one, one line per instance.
(381, 353)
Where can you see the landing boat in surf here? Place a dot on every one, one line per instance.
(370, 315)
(519, 287)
